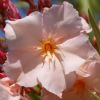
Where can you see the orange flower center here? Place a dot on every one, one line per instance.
(47, 47)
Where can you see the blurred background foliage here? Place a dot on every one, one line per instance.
(89, 9)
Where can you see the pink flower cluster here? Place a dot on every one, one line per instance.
(8, 11)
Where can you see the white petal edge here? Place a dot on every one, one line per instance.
(9, 32)
(85, 26)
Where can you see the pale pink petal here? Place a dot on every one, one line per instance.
(29, 79)
(21, 66)
(22, 54)
(52, 16)
(25, 32)
(95, 76)
(71, 62)
(70, 80)
(12, 70)
(4, 95)
(48, 74)
(51, 76)
(28, 58)
(11, 34)
(6, 81)
(80, 46)
(14, 98)
(87, 69)
(62, 20)
(21, 61)
(85, 26)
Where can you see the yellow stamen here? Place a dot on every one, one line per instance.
(47, 47)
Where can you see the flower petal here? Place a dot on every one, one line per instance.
(70, 80)
(71, 62)
(52, 16)
(11, 34)
(4, 95)
(29, 79)
(20, 64)
(80, 46)
(87, 69)
(62, 19)
(12, 70)
(26, 30)
(51, 76)
(85, 27)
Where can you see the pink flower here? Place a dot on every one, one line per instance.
(5, 93)
(82, 85)
(44, 47)
(9, 90)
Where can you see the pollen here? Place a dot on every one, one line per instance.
(47, 47)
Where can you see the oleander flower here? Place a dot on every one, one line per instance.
(43, 47)
(44, 3)
(5, 93)
(85, 82)
(12, 91)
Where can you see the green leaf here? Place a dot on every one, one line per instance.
(83, 6)
(95, 4)
(95, 95)
(95, 28)
(33, 96)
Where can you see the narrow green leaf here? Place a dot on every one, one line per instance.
(83, 6)
(95, 28)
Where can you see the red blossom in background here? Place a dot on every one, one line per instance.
(2, 57)
(44, 3)
(12, 11)
(32, 6)
(2, 75)
(8, 11)
(39, 7)
(2, 61)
